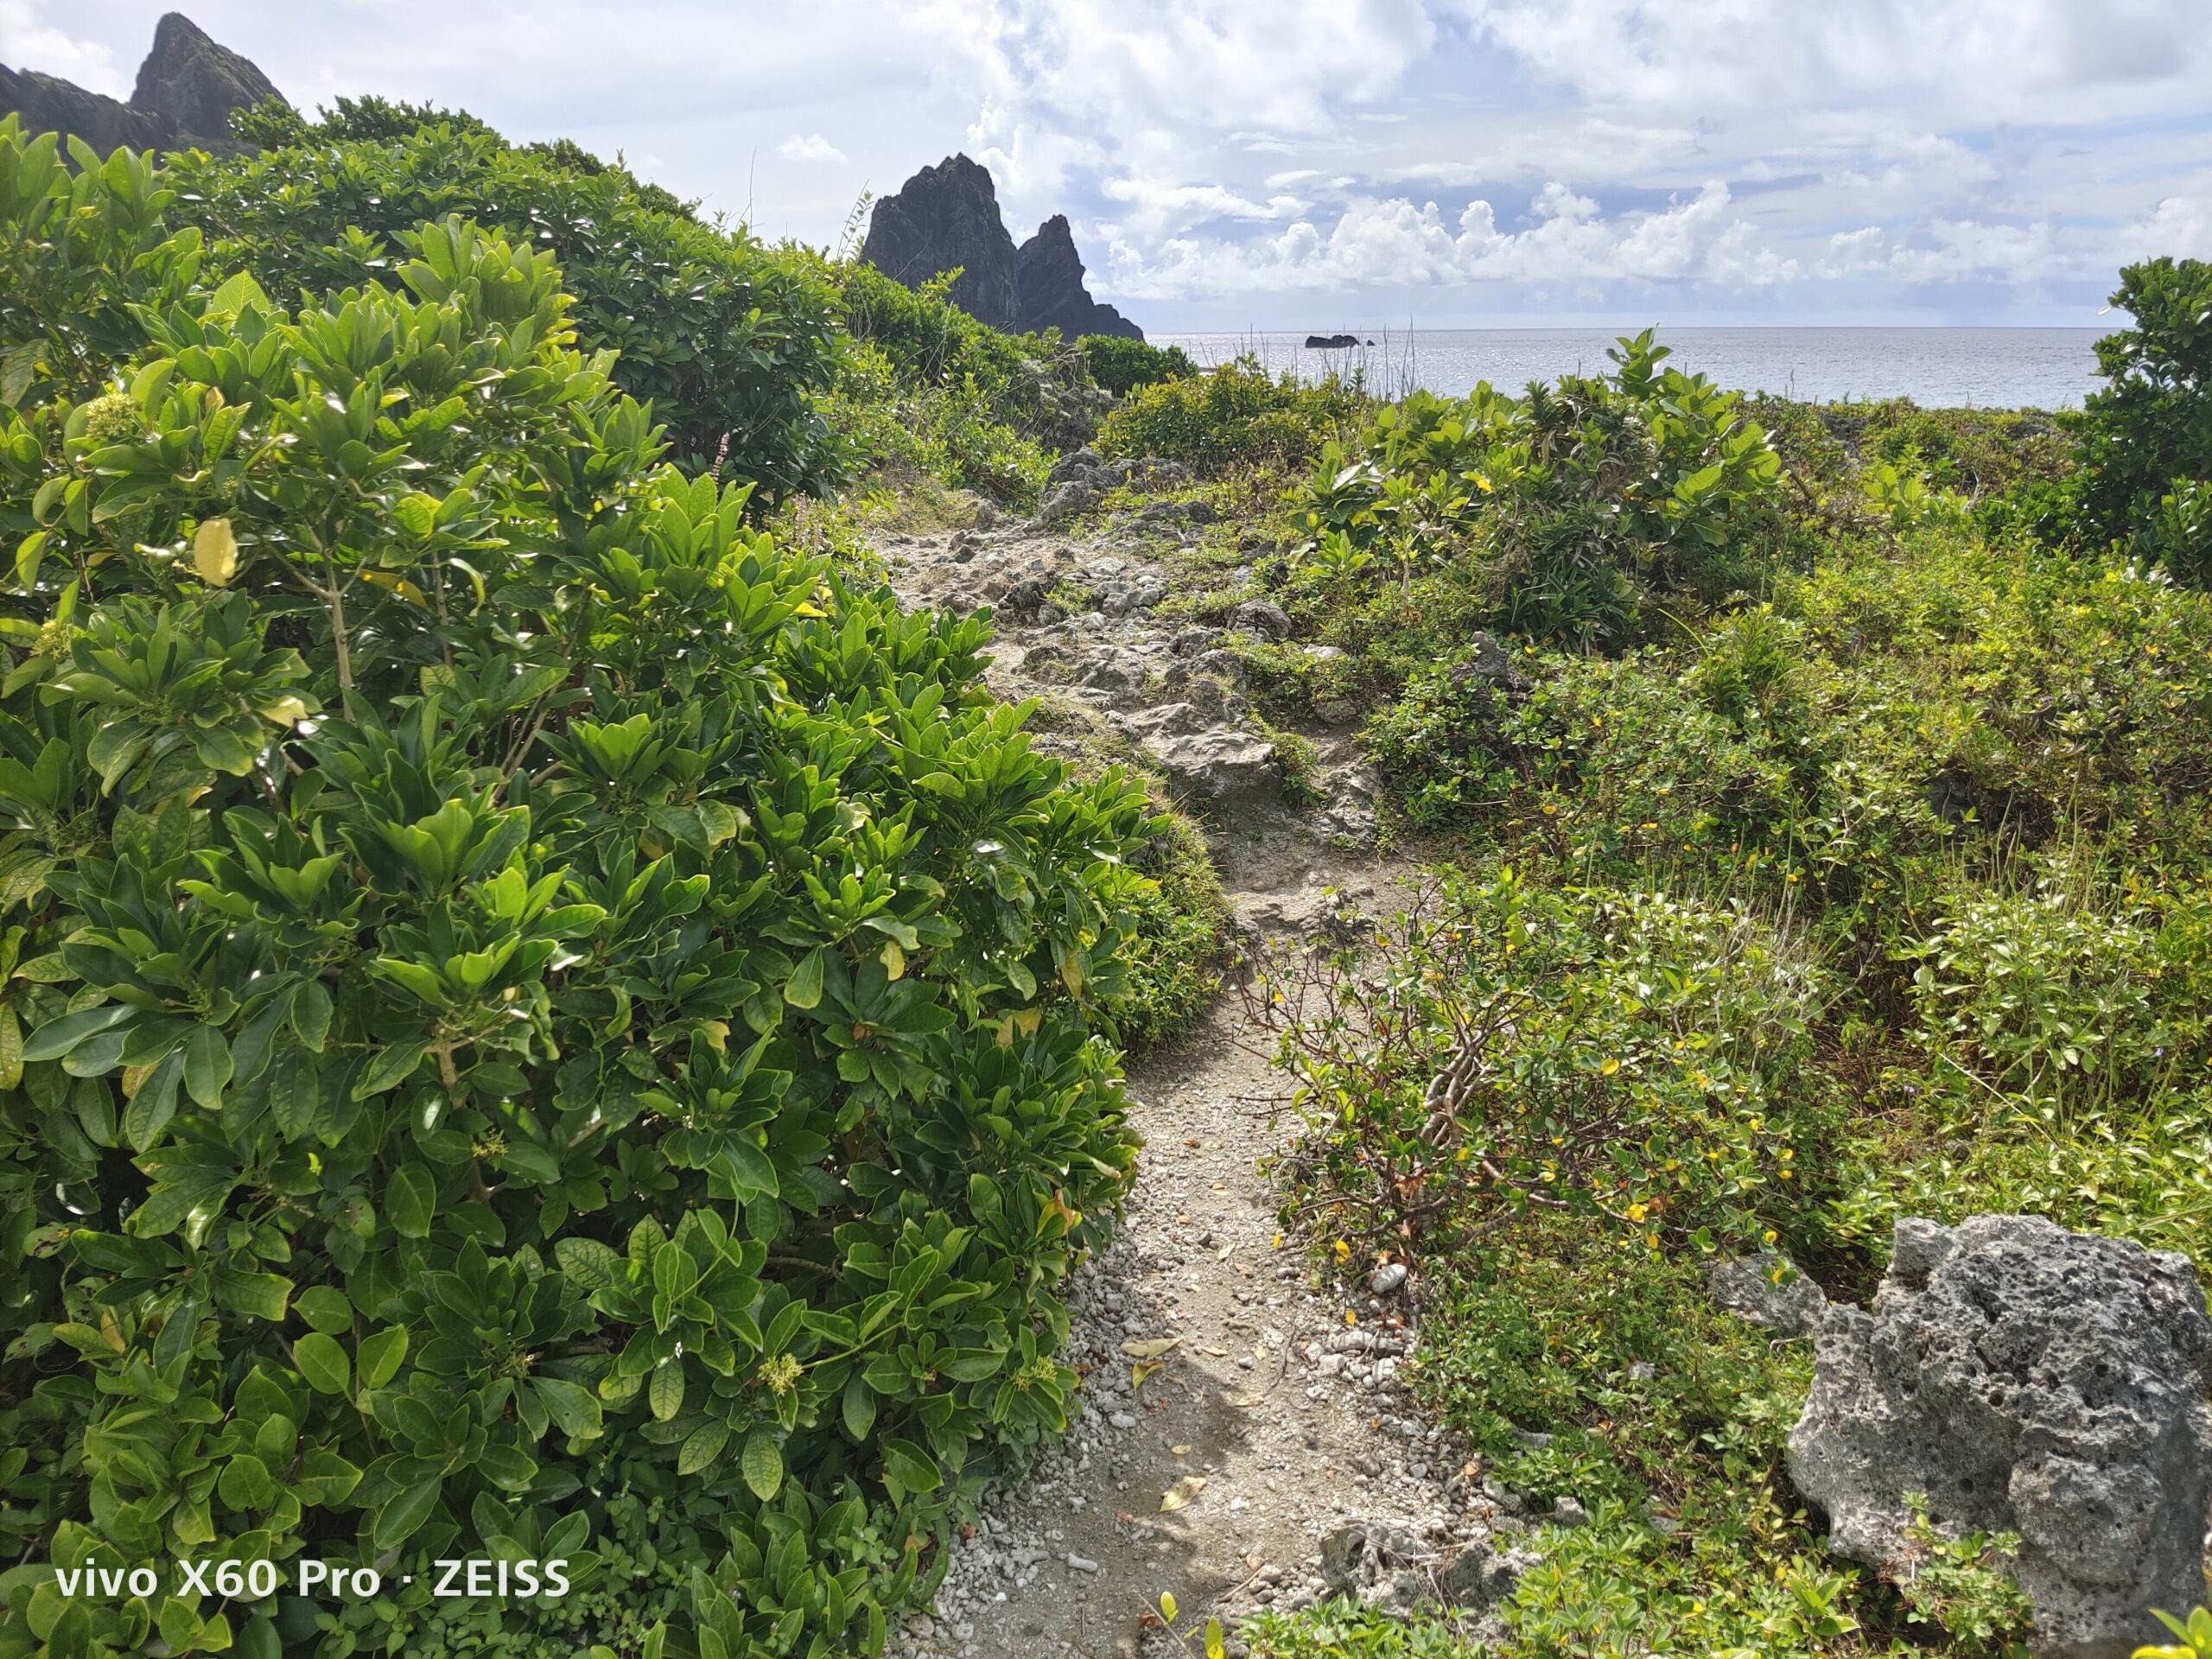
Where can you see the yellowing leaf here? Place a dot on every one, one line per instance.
(1149, 1347)
(1180, 1451)
(1167, 1606)
(893, 959)
(1142, 1372)
(1611, 1066)
(1179, 1496)
(390, 583)
(215, 552)
(284, 711)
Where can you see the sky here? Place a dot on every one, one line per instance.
(1234, 164)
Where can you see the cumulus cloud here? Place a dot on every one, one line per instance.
(1391, 242)
(1876, 153)
(810, 146)
(1975, 59)
(30, 41)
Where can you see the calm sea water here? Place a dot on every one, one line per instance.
(1986, 368)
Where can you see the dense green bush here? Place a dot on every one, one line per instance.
(1034, 384)
(537, 1021)
(2146, 437)
(1236, 415)
(1629, 1060)
(729, 340)
(1121, 365)
(1585, 504)
(900, 430)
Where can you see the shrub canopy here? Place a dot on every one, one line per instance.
(728, 339)
(534, 1017)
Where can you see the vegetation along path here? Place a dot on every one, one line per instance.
(1233, 1414)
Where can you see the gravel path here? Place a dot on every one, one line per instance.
(1275, 1416)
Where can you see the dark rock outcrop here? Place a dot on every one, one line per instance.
(1050, 292)
(2027, 1380)
(191, 83)
(187, 87)
(50, 104)
(946, 218)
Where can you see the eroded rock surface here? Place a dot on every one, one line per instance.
(186, 88)
(2027, 1380)
(946, 218)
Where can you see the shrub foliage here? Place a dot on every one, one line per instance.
(523, 998)
(729, 340)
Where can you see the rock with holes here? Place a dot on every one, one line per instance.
(2026, 1379)
(1768, 1289)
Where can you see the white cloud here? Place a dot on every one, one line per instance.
(1868, 155)
(812, 147)
(2029, 61)
(2180, 226)
(1391, 242)
(27, 41)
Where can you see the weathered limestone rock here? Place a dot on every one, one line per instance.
(1768, 1290)
(2034, 1381)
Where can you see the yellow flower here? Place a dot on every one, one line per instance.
(1344, 1251)
(1611, 1066)
(1636, 1212)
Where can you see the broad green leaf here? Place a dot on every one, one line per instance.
(572, 1406)
(914, 1469)
(703, 1447)
(403, 1514)
(665, 1394)
(804, 988)
(410, 1198)
(379, 1356)
(590, 1264)
(859, 1408)
(323, 1362)
(764, 1463)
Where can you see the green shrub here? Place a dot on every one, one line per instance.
(728, 339)
(898, 430)
(1631, 1060)
(1178, 935)
(2146, 436)
(1236, 416)
(1585, 506)
(1121, 365)
(533, 1015)
(1033, 385)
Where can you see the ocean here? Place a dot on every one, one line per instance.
(1983, 368)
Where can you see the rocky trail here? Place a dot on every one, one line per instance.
(1244, 1441)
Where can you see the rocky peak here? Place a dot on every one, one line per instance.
(1049, 287)
(187, 87)
(193, 84)
(946, 217)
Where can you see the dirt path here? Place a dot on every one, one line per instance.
(1273, 1420)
